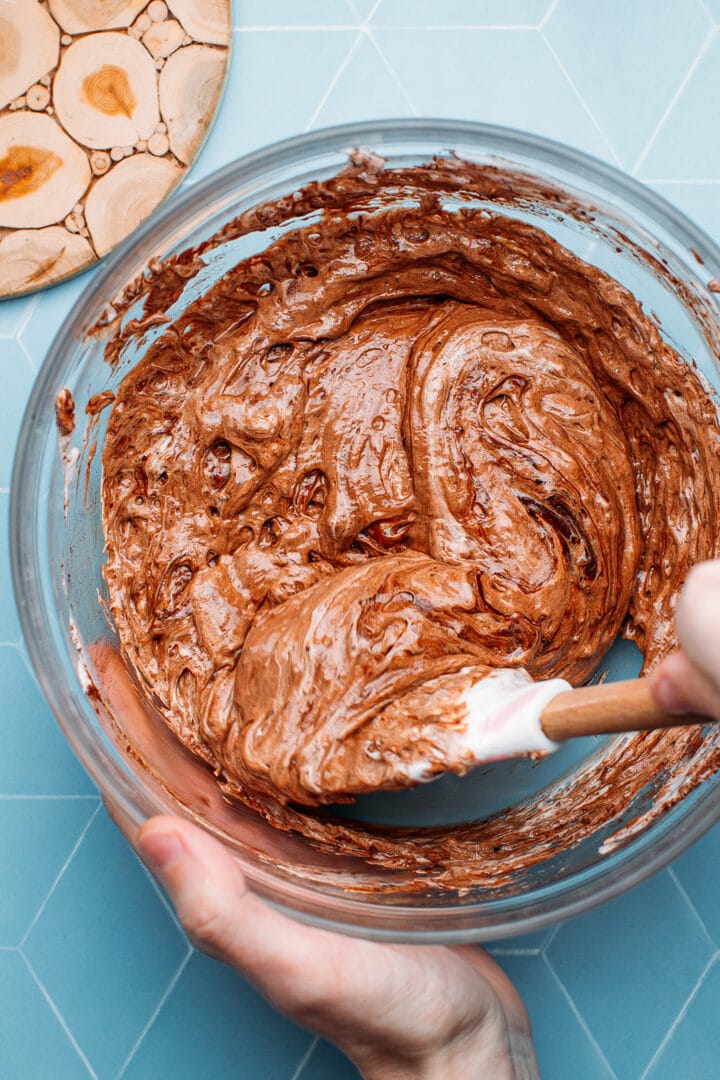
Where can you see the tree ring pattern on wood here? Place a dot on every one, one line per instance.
(104, 105)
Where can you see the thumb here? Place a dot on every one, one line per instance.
(688, 680)
(698, 619)
(283, 959)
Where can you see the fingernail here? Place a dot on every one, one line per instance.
(159, 849)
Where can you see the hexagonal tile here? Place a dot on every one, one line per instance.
(563, 1046)
(17, 377)
(460, 13)
(698, 871)
(491, 75)
(9, 623)
(41, 762)
(366, 83)
(268, 61)
(682, 149)
(34, 1045)
(241, 1034)
(618, 53)
(36, 838)
(629, 967)
(105, 947)
(327, 1063)
(693, 1049)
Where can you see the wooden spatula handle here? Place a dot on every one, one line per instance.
(608, 709)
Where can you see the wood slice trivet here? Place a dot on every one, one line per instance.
(103, 106)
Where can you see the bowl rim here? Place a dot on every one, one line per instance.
(481, 921)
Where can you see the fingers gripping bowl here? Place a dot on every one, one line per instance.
(585, 823)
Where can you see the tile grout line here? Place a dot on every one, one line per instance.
(333, 82)
(579, 1016)
(27, 316)
(370, 31)
(60, 1018)
(363, 24)
(513, 952)
(63, 868)
(156, 1011)
(553, 934)
(580, 98)
(708, 14)
(364, 21)
(305, 1058)
(505, 29)
(693, 910)
(684, 82)
(680, 1017)
(63, 798)
(26, 354)
(548, 15)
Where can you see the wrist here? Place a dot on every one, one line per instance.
(476, 1056)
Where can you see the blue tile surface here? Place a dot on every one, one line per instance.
(682, 149)
(472, 64)
(327, 1063)
(37, 836)
(290, 98)
(16, 378)
(41, 763)
(368, 80)
(37, 332)
(293, 13)
(16, 312)
(241, 1034)
(460, 12)
(698, 873)
(646, 950)
(9, 624)
(562, 1041)
(103, 980)
(694, 1047)
(523, 943)
(34, 1045)
(617, 53)
(700, 201)
(105, 977)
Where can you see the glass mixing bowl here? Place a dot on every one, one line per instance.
(57, 555)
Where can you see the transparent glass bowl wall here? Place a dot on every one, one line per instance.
(57, 560)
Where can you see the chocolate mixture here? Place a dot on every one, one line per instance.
(405, 444)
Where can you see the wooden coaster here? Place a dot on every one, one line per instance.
(103, 106)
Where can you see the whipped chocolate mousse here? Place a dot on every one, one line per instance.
(407, 444)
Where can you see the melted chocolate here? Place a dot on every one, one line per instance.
(402, 445)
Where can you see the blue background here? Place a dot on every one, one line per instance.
(96, 978)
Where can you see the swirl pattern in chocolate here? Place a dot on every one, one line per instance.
(403, 445)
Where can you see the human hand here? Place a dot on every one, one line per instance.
(689, 679)
(396, 1010)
